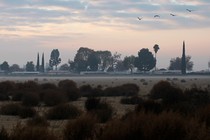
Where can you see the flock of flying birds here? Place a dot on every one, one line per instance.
(158, 16)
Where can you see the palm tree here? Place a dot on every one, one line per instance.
(156, 48)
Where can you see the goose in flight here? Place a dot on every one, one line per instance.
(172, 15)
(139, 18)
(156, 16)
(189, 10)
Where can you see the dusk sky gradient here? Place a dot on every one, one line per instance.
(31, 26)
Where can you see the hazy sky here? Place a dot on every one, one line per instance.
(31, 26)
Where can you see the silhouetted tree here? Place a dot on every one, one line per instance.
(156, 48)
(54, 58)
(183, 62)
(93, 61)
(71, 65)
(145, 60)
(5, 66)
(175, 63)
(81, 59)
(37, 63)
(42, 65)
(30, 66)
(105, 59)
(120, 66)
(64, 67)
(128, 62)
(14, 67)
(114, 60)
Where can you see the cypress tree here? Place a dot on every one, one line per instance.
(183, 64)
(42, 66)
(37, 63)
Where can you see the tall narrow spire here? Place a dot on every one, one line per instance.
(37, 63)
(183, 64)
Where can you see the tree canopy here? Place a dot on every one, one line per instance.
(175, 63)
(30, 66)
(145, 60)
(128, 62)
(5, 66)
(54, 58)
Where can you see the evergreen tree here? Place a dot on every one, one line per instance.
(37, 63)
(42, 64)
(183, 64)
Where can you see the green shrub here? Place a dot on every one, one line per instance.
(63, 111)
(82, 128)
(30, 99)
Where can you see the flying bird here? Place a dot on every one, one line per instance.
(189, 10)
(139, 18)
(156, 16)
(172, 15)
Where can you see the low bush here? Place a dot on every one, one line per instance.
(123, 90)
(21, 132)
(167, 93)
(47, 86)
(26, 112)
(82, 128)
(85, 90)
(63, 111)
(102, 110)
(131, 100)
(4, 134)
(10, 109)
(148, 126)
(17, 95)
(149, 106)
(5, 88)
(38, 121)
(29, 86)
(53, 97)
(92, 103)
(70, 88)
(197, 96)
(30, 99)
(17, 110)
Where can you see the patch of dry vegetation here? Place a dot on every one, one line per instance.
(168, 112)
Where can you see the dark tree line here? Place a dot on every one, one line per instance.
(87, 59)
